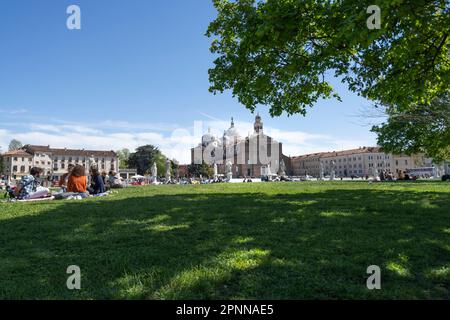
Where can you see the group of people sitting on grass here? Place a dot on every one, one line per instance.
(74, 184)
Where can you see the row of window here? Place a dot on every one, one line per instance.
(308, 167)
(36, 162)
(387, 164)
(345, 159)
(63, 166)
(380, 165)
(379, 157)
(24, 169)
(351, 166)
(359, 165)
(42, 162)
(42, 155)
(70, 159)
(359, 158)
(23, 159)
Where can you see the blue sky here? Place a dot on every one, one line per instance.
(136, 73)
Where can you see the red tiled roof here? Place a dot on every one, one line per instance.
(17, 153)
(312, 155)
(339, 153)
(352, 152)
(35, 148)
(69, 152)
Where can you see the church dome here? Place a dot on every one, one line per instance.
(231, 134)
(207, 138)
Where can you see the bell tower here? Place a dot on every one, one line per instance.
(258, 124)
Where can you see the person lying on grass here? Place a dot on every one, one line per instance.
(30, 186)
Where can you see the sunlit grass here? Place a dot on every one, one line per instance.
(243, 241)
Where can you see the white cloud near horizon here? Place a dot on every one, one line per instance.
(14, 111)
(172, 140)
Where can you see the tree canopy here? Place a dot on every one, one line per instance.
(280, 52)
(421, 128)
(197, 170)
(144, 157)
(123, 156)
(14, 145)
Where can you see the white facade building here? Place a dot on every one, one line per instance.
(362, 162)
(54, 162)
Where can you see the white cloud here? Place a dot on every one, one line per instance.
(44, 127)
(13, 111)
(140, 125)
(4, 140)
(175, 143)
(18, 111)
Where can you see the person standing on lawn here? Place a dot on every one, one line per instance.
(30, 186)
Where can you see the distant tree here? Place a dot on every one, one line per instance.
(194, 170)
(161, 165)
(144, 157)
(423, 128)
(175, 168)
(14, 145)
(200, 169)
(123, 155)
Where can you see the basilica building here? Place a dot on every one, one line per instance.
(252, 156)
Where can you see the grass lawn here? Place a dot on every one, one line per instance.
(305, 240)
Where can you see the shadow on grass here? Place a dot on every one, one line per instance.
(222, 246)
